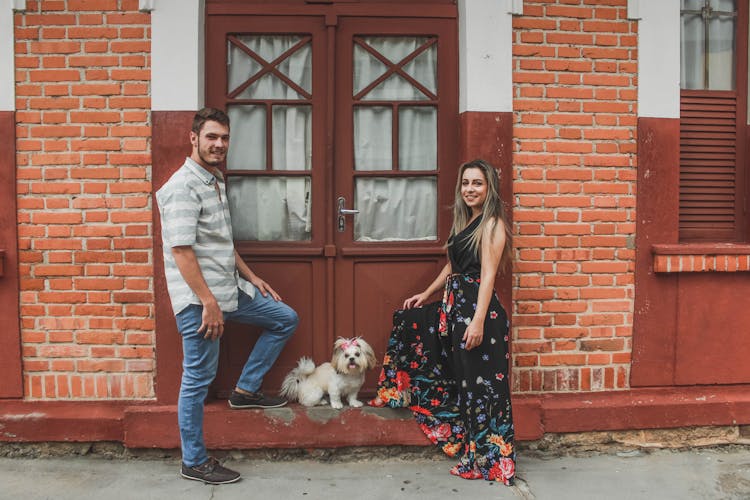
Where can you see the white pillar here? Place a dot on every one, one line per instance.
(177, 54)
(658, 58)
(485, 44)
(7, 65)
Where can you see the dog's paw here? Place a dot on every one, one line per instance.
(337, 405)
(355, 403)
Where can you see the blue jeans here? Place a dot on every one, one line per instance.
(201, 358)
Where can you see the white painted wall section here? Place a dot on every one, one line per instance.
(485, 43)
(177, 60)
(7, 64)
(659, 58)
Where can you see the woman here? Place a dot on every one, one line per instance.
(448, 361)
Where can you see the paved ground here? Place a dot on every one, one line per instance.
(720, 473)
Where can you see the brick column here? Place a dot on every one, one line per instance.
(84, 205)
(575, 157)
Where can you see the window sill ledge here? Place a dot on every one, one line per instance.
(701, 257)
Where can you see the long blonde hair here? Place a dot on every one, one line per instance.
(492, 210)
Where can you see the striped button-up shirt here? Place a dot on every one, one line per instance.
(194, 213)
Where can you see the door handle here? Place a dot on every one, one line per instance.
(342, 212)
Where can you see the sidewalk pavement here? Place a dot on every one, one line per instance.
(716, 473)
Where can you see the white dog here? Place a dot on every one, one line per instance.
(341, 378)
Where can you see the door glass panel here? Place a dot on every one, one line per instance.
(721, 52)
(270, 208)
(269, 47)
(417, 138)
(269, 87)
(395, 48)
(693, 45)
(298, 67)
(424, 68)
(247, 149)
(395, 209)
(372, 138)
(395, 88)
(366, 68)
(292, 137)
(708, 44)
(692, 4)
(241, 66)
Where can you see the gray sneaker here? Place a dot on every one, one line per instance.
(239, 401)
(210, 472)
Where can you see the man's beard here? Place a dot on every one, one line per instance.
(203, 156)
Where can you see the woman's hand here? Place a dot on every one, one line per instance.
(473, 335)
(415, 301)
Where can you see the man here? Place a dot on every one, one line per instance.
(209, 283)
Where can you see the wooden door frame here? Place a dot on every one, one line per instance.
(11, 365)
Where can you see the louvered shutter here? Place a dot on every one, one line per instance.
(710, 199)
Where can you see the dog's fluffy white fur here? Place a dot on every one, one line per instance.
(340, 379)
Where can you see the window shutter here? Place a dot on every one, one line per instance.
(710, 205)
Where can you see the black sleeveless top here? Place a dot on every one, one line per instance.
(462, 257)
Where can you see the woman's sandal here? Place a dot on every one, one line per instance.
(376, 402)
(472, 474)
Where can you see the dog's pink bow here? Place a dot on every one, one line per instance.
(350, 343)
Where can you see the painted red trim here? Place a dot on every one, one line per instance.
(653, 408)
(657, 202)
(489, 136)
(428, 8)
(170, 144)
(11, 370)
(80, 421)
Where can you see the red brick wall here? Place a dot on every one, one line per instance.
(574, 156)
(84, 210)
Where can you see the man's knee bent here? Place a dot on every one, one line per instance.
(290, 320)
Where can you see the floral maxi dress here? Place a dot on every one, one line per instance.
(460, 398)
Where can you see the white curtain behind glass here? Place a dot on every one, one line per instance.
(721, 47)
(262, 209)
(271, 208)
(395, 208)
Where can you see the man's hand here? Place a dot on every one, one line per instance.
(264, 288)
(212, 324)
(253, 278)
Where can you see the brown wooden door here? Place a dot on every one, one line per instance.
(310, 97)
(399, 77)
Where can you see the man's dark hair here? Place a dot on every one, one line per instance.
(209, 115)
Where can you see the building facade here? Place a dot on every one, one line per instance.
(619, 128)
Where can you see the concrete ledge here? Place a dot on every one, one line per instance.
(290, 427)
(147, 425)
(298, 427)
